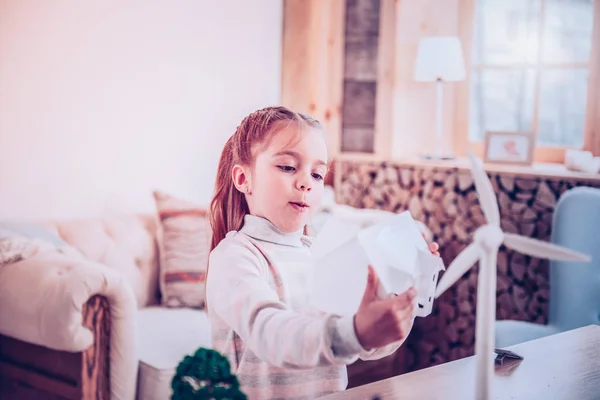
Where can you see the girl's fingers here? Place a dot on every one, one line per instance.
(406, 312)
(404, 300)
(371, 290)
(404, 319)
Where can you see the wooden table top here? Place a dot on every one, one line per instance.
(562, 366)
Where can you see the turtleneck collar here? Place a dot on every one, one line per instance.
(262, 229)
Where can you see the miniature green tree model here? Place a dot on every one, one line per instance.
(205, 375)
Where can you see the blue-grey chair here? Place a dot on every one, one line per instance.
(574, 286)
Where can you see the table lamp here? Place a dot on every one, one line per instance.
(439, 60)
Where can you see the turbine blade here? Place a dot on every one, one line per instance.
(463, 261)
(538, 248)
(485, 191)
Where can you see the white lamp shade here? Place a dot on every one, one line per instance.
(439, 57)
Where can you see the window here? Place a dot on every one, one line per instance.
(531, 62)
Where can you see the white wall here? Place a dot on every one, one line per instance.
(102, 102)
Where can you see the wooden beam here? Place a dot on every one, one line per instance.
(313, 62)
(537, 85)
(460, 134)
(386, 79)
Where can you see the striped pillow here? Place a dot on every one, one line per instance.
(184, 240)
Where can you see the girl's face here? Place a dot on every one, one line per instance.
(286, 181)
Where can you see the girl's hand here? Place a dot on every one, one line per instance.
(433, 247)
(379, 322)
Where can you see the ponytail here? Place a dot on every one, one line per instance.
(228, 206)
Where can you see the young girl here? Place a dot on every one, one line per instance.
(269, 181)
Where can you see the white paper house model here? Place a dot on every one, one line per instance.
(396, 250)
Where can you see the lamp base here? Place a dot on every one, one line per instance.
(436, 157)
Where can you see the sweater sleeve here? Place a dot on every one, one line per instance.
(239, 294)
(381, 352)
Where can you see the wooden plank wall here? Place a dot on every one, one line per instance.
(312, 62)
(338, 65)
(350, 64)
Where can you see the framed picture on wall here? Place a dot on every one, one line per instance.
(508, 148)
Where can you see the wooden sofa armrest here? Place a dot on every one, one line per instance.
(50, 299)
(30, 371)
(95, 360)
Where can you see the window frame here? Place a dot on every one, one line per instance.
(591, 139)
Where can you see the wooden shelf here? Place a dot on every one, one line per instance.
(541, 170)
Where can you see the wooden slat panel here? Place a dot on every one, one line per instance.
(361, 52)
(358, 140)
(359, 104)
(359, 96)
(362, 17)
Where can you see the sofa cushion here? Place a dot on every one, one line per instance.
(166, 336)
(184, 240)
(126, 243)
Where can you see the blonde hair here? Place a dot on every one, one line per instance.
(228, 206)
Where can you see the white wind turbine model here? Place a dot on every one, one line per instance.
(487, 240)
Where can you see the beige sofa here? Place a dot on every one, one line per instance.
(85, 321)
(90, 325)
